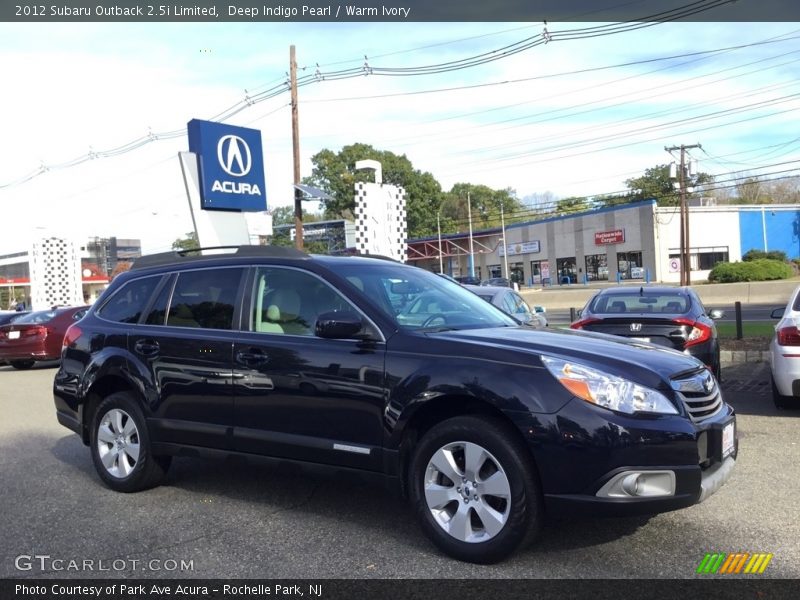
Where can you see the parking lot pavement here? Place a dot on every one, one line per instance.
(234, 520)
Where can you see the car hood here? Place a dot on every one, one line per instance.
(639, 361)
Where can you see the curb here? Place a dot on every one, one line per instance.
(734, 357)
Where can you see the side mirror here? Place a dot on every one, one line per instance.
(777, 313)
(716, 313)
(338, 325)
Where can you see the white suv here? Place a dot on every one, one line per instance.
(785, 350)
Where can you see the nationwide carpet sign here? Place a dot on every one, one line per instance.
(230, 163)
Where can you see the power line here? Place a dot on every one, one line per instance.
(545, 37)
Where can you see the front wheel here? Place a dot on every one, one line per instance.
(120, 445)
(475, 489)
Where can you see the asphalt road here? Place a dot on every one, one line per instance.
(232, 520)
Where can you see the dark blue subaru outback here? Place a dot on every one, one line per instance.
(331, 363)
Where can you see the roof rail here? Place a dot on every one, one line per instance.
(192, 254)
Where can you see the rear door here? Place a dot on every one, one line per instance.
(186, 346)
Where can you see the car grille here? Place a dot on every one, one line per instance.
(700, 395)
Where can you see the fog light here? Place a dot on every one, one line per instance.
(639, 484)
(630, 484)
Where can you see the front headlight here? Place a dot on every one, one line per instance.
(608, 391)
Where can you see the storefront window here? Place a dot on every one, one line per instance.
(536, 271)
(597, 267)
(494, 271)
(567, 270)
(629, 265)
(517, 273)
(703, 259)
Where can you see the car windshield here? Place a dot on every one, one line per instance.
(641, 302)
(39, 316)
(418, 299)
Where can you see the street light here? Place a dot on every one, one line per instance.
(471, 248)
(505, 244)
(439, 230)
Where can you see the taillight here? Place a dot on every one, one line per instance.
(37, 331)
(72, 335)
(698, 333)
(583, 323)
(788, 336)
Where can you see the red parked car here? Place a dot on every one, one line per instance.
(37, 335)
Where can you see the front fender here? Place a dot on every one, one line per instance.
(504, 387)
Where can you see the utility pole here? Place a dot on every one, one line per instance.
(471, 249)
(298, 195)
(685, 252)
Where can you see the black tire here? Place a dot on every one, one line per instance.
(124, 473)
(523, 511)
(22, 365)
(783, 402)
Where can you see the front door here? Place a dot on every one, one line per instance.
(298, 395)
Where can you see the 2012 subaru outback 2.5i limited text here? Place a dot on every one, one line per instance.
(317, 360)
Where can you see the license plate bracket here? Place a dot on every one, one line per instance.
(728, 439)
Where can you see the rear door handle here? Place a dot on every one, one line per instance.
(253, 356)
(146, 347)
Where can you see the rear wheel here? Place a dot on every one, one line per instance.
(781, 401)
(475, 489)
(22, 365)
(120, 446)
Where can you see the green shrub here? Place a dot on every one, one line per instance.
(760, 269)
(757, 254)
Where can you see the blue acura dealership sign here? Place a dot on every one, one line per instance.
(230, 163)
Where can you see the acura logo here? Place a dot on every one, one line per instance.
(233, 154)
(636, 326)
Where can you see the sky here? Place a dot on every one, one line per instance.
(571, 117)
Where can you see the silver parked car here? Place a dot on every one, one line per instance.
(511, 303)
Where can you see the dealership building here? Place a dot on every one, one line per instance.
(639, 241)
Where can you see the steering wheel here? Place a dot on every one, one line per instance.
(430, 321)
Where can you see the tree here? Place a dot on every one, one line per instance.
(657, 183)
(189, 242)
(335, 173)
(485, 203)
(573, 204)
(121, 267)
(284, 215)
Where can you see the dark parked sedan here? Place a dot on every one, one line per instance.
(666, 316)
(37, 335)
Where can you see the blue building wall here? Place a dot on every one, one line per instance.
(783, 230)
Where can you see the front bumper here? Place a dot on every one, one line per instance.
(583, 449)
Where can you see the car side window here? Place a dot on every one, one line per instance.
(128, 302)
(158, 312)
(522, 307)
(509, 305)
(205, 298)
(289, 301)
